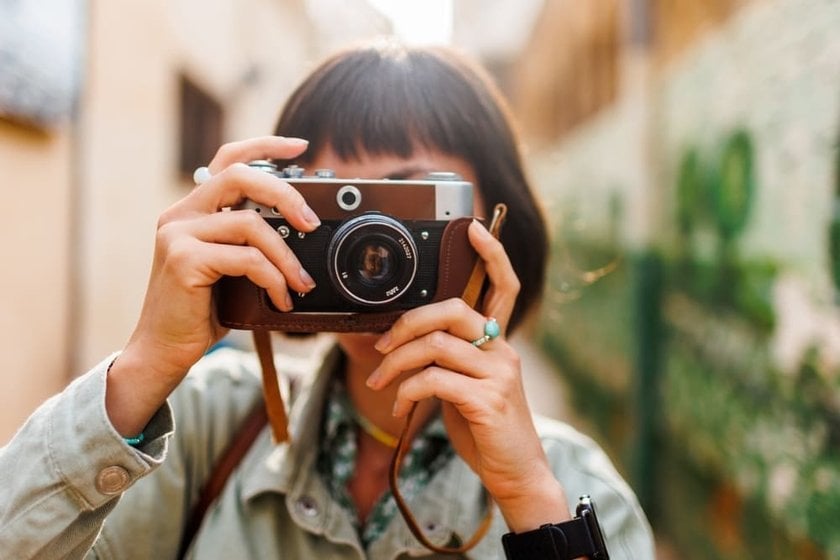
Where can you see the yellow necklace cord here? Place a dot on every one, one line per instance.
(377, 433)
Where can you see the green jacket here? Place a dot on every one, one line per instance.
(71, 487)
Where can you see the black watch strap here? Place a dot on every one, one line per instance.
(579, 537)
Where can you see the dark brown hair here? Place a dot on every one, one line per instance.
(386, 98)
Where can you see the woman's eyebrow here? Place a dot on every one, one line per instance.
(406, 172)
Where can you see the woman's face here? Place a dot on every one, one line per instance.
(367, 166)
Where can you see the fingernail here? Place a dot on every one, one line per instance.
(310, 216)
(396, 409)
(481, 229)
(289, 304)
(306, 279)
(384, 342)
(373, 379)
(298, 141)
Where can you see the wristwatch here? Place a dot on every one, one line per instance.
(580, 537)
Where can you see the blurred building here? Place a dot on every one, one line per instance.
(688, 154)
(105, 109)
(496, 33)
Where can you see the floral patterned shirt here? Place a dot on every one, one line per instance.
(429, 451)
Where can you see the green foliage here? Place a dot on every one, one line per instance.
(719, 199)
(746, 458)
(834, 227)
(692, 192)
(747, 462)
(753, 293)
(745, 287)
(834, 248)
(771, 435)
(716, 195)
(590, 322)
(734, 187)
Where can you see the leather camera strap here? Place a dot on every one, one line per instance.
(472, 295)
(475, 285)
(271, 388)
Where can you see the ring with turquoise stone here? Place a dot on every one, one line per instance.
(491, 331)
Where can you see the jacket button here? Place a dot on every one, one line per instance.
(307, 506)
(112, 480)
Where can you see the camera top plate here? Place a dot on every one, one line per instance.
(440, 196)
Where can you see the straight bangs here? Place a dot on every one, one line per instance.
(400, 100)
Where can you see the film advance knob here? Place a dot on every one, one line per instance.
(293, 172)
(262, 165)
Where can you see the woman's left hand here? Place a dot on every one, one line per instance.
(484, 405)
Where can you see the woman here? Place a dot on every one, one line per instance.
(382, 111)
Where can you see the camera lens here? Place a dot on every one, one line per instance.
(373, 259)
(374, 262)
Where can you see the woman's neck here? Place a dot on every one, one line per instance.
(373, 457)
(377, 406)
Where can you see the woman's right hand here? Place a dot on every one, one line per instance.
(196, 244)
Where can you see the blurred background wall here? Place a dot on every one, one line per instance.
(90, 157)
(686, 151)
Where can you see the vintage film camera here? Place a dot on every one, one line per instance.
(384, 246)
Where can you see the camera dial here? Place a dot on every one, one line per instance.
(263, 165)
(372, 259)
(293, 172)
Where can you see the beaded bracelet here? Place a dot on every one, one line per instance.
(136, 440)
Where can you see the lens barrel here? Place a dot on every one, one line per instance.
(372, 259)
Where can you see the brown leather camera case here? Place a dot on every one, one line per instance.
(240, 304)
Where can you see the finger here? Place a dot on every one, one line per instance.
(436, 382)
(246, 227)
(437, 347)
(452, 315)
(201, 264)
(459, 390)
(238, 182)
(250, 262)
(264, 147)
(504, 284)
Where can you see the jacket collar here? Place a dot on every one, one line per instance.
(271, 467)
